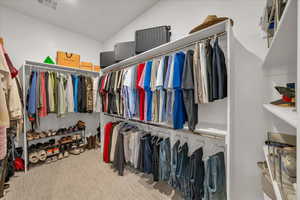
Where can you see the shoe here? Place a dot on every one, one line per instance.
(75, 151)
(42, 154)
(33, 157)
(288, 96)
(66, 154)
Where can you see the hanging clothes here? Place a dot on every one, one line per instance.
(188, 91)
(75, 81)
(96, 99)
(70, 94)
(209, 66)
(179, 113)
(51, 91)
(215, 181)
(219, 72)
(43, 96)
(61, 95)
(140, 90)
(107, 139)
(147, 87)
(32, 97)
(89, 94)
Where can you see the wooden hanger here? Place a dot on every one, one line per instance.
(1, 41)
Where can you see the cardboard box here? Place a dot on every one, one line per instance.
(67, 59)
(86, 66)
(97, 68)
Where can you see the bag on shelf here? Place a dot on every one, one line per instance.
(107, 58)
(124, 50)
(150, 38)
(68, 59)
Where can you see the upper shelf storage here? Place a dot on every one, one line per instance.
(282, 54)
(171, 46)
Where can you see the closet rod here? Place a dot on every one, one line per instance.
(164, 126)
(65, 70)
(168, 51)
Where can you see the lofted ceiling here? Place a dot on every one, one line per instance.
(97, 19)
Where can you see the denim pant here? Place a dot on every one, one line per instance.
(155, 157)
(148, 149)
(196, 176)
(165, 160)
(182, 169)
(215, 181)
(173, 180)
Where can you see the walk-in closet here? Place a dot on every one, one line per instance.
(149, 100)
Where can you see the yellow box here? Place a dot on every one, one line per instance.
(97, 68)
(86, 66)
(67, 59)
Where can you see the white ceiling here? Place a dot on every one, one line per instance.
(97, 19)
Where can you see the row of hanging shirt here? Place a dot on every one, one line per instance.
(148, 152)
(61, 93)
(168, 89)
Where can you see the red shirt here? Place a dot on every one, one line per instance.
(141, 91)
(107, 137)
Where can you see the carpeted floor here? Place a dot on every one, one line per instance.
(84, 177)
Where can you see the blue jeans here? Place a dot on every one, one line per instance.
(173, 179)
(215, 181)
(165, 160)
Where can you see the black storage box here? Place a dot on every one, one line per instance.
(147, 39)
(107, 58)
(124, 50)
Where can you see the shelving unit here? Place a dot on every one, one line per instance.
(218, 124)
(32, 65)
(289, 115)
(56, 136)
(281, 65)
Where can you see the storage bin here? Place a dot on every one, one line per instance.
(67, 59)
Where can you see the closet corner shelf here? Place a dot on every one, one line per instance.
(286, 114)
(180, 43)
(274, 183)
(282, 53)
(57, 67)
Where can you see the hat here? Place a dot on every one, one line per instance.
(209, 21)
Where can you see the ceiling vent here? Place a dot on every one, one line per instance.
(49, 3)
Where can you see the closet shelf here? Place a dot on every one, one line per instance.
(282, 53)
(286, 114)
(55, 136)
(270, 167)
(205, 129)
(170, 46)
(56, 67)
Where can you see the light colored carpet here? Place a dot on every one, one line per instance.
(84, 177)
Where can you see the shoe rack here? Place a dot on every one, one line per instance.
(281, 66)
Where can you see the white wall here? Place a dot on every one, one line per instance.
(183, 15)
(250, 49)
(28, 38)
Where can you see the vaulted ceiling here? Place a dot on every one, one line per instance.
(97, 19)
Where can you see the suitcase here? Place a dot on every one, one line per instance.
(107, 58)
(124, 50)
(147, 39)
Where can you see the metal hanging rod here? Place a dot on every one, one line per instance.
(168, 51)
(165, 126)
